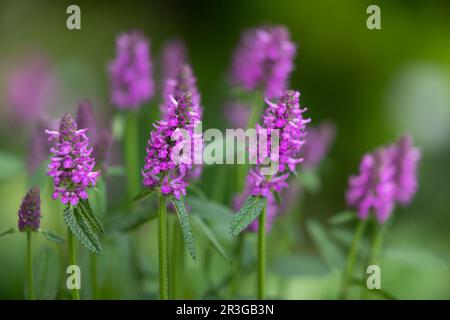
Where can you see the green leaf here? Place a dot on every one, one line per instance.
(250, 210)
(81, 230)
(210, 210)
(9, 231)
(342, 218)
(10, 165)
(143, 194)
(46, 274)
(185, 226)
(51, 236)
(328, 249)
(86, 211)
(209, 234)
(130, 220)
(296, 265)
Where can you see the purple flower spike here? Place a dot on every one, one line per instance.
(374, 187)
(71, 165)
(86, 119)
(30, 211)
(318, 142)
(174, 55)
(287, 117)
(405, 158)
(160, 170)
(131, 71)
(264, 59)
(183, 81)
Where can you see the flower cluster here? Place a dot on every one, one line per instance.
(131, 71)
(264, 60)
(30, 211)
(386, 176)
(160, 169)
(318, 143)
(71, 165)
(286, 117)
(174, 55)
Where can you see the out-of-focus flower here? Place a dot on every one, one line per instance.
(183, 81)
(374, 187)
(286, 117)
(31, 87)
(102, 148)
(101, 138)
(71, 166)
(131, 71)
(38, 149)
(317, 144)
(237, 114)
(30, 211)
(174, 56)
(86, 119)
(386, 176)
(405, 159)
(160, 170)
(264, 60)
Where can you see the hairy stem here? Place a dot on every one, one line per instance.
(262, 255)
(30, 268)
(162, 248)
(72, 260)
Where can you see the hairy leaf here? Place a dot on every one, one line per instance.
(81, 230)
(250, 210)
(185, 227)
(86, 211)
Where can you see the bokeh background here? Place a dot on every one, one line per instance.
(374, 84)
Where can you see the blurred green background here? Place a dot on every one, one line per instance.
(374, 84)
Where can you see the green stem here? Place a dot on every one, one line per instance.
(30, 268)
(234, 288)
(352, 255)
(262, 255)
(72, 260)
(162, 248)
(94, 284)
(132, 152)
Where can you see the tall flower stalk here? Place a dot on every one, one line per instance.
(386, 177)
(72, 170)
(131, 86)
(283, 119)
(166, 175)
